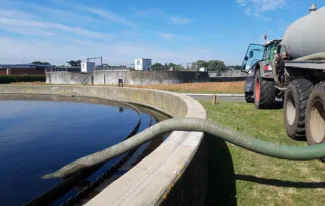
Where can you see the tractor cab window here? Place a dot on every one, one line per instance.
(268, 50)
(253, 55)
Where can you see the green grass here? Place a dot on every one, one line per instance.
(262, 180)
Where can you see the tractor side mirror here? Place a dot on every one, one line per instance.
(246, 58)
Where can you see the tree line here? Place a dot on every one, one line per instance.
(212, 65)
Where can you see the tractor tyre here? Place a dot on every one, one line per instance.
(249, 98)
(264, 92)
(294, 106)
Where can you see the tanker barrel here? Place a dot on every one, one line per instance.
(306, 35)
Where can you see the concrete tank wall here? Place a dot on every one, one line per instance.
(162, 177)
(67, 78)
(128, 77)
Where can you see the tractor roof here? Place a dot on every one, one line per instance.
(273, 41)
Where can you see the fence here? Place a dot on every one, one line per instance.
(130, 67)
(228, 73)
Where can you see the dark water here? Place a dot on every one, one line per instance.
(39, 137)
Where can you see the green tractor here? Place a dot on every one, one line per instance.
(260, 87)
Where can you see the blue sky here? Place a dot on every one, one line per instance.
(179, 31)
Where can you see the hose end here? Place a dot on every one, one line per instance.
(48, 176)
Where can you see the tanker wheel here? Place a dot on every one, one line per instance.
(264, 92)
(315, 116)
(294, 106)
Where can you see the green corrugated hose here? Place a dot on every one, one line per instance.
(192, 124)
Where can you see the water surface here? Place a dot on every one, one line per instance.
(39, 137)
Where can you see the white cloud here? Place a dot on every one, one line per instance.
(257, 7)
(62, 15)
(9, 13)
(185, 38)
(63, 35)
(159, 13)
(111, 17)
(166, 35)
(179, 20)
(114, 53)
(150, 11)
(26, 30)
(4, 21)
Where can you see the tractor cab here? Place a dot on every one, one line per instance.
(253, 55)
(258, 52)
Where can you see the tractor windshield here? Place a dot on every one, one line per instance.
(253, 55)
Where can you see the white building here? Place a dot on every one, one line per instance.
(87, 67)
(203, 69)
(142, 64)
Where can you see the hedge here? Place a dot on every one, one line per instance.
(6, 79)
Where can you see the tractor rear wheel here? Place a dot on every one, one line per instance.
(264, 92)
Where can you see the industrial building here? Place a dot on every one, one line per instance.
(31, 69)
(142, 64)
(22, 69)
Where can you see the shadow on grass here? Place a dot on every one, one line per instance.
(276, 106)
(280, 183)
(221, 177)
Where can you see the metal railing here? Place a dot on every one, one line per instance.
(56, 70)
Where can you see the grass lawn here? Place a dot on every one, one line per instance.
(203, 87)
(261, 180)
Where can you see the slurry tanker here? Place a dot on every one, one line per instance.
(292, 69)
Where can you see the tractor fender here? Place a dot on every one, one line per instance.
(265, 73)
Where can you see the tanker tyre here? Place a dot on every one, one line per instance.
(315, 116)
(264, 92)
(294, 106)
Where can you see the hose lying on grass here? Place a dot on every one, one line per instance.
(193, 124)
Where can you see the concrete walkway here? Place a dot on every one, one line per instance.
(222, 97)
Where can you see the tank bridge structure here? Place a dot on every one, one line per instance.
(176, 172)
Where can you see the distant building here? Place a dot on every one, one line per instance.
(33, 69)
(22, 69)
(203, 69)
(87, 67)
(142, 64)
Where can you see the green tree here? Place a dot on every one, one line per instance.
(237, 67)
(171, 65)
(156, 67)
(40, 63)
(216, 65)
(74, 63)
(202, 63)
